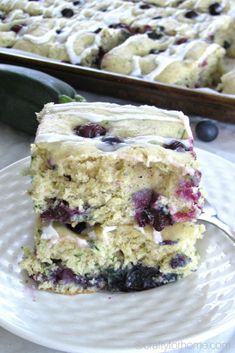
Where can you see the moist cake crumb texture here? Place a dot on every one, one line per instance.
(116, 194)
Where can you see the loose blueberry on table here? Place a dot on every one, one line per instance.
(207, 130)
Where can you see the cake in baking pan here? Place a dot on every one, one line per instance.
(165, 41)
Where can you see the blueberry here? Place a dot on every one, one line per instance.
(58, 31)
(98, 59)
(207, 130)
(58, 210)
(116, 280)
(90, 130)
(136, 278)
(144, 217)
(145, 7)
(176, 146)
(181, 41)
(141, 277)
(2, 17)
(67, 13)
(17, 28)
(143, 198)
(118, 25)
(98, 30)
(99, 281)
(154, 35)
(78, 228)
(76, 3)
(67, 177)
(179, 260)
(64, 274)
(162, 219)
(147, 212)
(157, 18)
(191, 14)
(112, 140)
(168, 242)
(215, 9)
(82, 281)
(226, 45)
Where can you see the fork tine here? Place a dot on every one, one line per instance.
(209, 209)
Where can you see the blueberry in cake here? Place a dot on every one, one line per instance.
(116, 195)
(175, 42)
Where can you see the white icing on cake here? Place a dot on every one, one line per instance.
(49, 233)
(157, 236)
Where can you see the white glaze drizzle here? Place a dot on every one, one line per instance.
(50, 233)
(81, 243)
(77, 58)
(157, 236)
(136, 68)
(40, 39)
(96, 112)
(138, 140)
(100, 111)
(107, 230)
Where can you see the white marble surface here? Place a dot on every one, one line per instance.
(14, 145)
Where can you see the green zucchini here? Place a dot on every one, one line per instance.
(24, 91)
(65, 99)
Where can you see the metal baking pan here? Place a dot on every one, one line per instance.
(202, 102)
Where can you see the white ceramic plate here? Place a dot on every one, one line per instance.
(189, 311)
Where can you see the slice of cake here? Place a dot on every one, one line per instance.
(116, 191)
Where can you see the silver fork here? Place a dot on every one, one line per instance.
(209, 215)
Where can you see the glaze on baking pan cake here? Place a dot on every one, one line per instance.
(116, 194)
